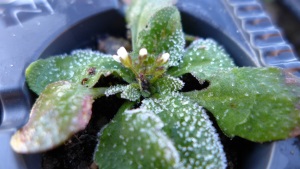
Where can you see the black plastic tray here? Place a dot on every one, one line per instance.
(293, 5)
(39, 29)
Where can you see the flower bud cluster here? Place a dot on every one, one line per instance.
(149, 71)
(124, 58)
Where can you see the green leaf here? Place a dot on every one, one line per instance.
(259, 104)
(98, 92)
(130, 92)
(81, 67)
(163, 34)
(202, 59)
(139, 13)
(112, 90)
(187, 124)
(62, 109)
(168, 84)
(133, 139)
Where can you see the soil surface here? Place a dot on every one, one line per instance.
(77, 153)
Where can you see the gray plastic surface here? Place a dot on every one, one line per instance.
(41, 28)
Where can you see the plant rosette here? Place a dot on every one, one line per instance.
(159, 126)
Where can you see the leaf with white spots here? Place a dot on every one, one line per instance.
(130, 92)
(112, 90)
(139, 14)
(62, 109)
(259, 104)
(163, 34)
(187, 124)
(81, 67)
(203, 58)
(134, 139)
(168, 84)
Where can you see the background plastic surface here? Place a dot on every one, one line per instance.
(32, 29)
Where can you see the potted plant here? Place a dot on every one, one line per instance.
(141, 86)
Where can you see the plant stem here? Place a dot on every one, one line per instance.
(98, 92)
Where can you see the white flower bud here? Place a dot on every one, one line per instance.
(116, 58)
(123, 57)
(165, 57)
(122, 53)
(143, 52)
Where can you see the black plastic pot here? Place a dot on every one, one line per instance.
(293, 6)
(39, 29)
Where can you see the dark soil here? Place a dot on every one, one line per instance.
(78, 152)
